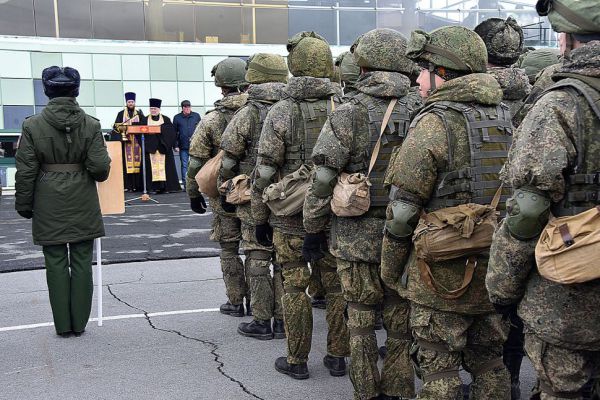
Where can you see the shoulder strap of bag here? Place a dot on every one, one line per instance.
(386, 118)
(439, 289)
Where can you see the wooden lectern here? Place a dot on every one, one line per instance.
(142, 131)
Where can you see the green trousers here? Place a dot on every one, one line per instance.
(70, 285)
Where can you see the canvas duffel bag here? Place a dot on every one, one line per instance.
(286, 197)
(237, 190)
(208, 174)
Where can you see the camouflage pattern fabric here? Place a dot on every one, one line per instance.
(382, 49)
(226, 231)
(561, 371)
(515, 86)
(238, 139)
(315, 287)
(503, 40)
(296, 304)
(266, 68)
(535, 61)
(276, 135)
(309, 55)
(230, 73)
(206, 139)
(544, 147)
(543, 81)
(446, 341)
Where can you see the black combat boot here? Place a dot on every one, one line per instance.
(248, 308)
(278, 329)
(319, 302)
(232, 309)
(335, 365)
(386, 397)
(256, 329)
(382, 351)
(296, 371)
(378, 320)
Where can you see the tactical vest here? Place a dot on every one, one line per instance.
(394, 135)
(249, 161)
(489, 131)
(307, 119)
(227, 115)
(582, 182)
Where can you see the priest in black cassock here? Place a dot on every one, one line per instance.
(161, 175)
(132, 151)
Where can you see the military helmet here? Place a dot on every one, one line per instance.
(382, 50)
(580, 17)
(309, 55)
(503, 40)
(453, 47)
(265, 67)
(535, 61)
(230, 73)
(349, 70)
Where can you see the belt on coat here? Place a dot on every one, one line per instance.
(62, 167)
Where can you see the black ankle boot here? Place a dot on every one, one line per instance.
(232, 309)
(319, 302)
(382, 351)
(248, 308)
(335, 365)
(256, 329)
(278, 329)
(296, 371)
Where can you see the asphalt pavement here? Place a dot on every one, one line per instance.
(147, 231)
(162, 338)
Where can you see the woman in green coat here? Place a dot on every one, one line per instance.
(60, 158)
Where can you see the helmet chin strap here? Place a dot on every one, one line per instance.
(432, 85)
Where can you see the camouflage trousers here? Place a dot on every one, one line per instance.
(446, 341)
(315, 287)
(562, 372)
(297, 309)
(226, 231)
(364, 292)
(265, 291)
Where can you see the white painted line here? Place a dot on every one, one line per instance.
(113, 318)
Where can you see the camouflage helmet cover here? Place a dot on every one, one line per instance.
(230, 73)
(382, 50)
(535, 61)
(453, 47)
(580, 17)
(349, 70)
(309, 55)
(265, 67)
(503, 40)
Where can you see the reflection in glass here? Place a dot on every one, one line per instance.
(16, 18)
(118, 19)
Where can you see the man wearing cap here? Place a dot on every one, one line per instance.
(132, 151)
(553, 169)
(185, 123)
(161, 174)
(60, 158)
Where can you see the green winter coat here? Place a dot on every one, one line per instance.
(65, 204)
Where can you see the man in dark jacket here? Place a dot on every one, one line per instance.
(60, 158)
(185, 123)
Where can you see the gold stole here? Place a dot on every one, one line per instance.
(133, 150)
(157, 160)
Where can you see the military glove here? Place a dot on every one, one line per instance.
(227, 207)
(264, 235)
(27, 214)
(198, 204)
(506, 310)
(314, 246)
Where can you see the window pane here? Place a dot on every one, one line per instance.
(44, 18)
(16, 18)
(15, 115)
(223, 24)
(271, 26)
(321, 21)
(74, 19)
(355, 23)
(169, 22)
(118, 19)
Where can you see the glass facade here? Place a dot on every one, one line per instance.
(252, 21)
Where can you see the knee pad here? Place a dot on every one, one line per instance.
(404, 220)
(229, 166)
(264, 176)
(324, 180)
(527, 214)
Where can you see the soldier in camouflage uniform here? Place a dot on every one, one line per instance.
(535, 61)
(553, 167)
(349, 73)
(267, 75)
(288, 136)
(205, 143)
(504, 42)
(444, 162)
(346, 144)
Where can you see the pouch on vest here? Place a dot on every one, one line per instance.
(208, 174)
(352, 192)
(237, 190)
(569, 247)
(286, 197)
(465, 230)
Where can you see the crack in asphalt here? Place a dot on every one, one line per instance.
(213, 346)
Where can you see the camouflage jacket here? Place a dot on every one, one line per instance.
(422, 157)
(515, 86)
(346, 139)
(543, 81)
(242, 133)
(206, 140)
(546, 147)
(275, 137)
